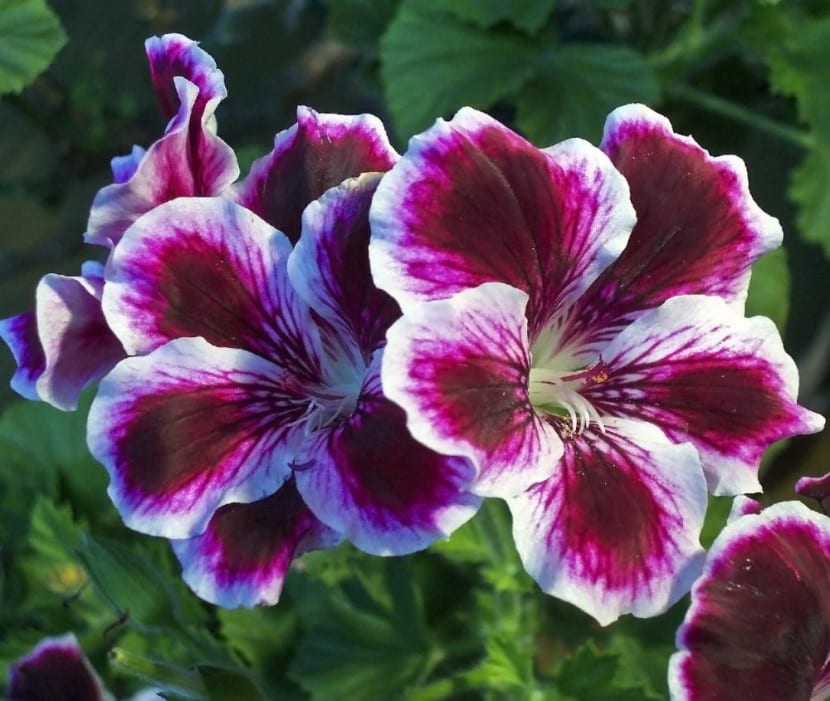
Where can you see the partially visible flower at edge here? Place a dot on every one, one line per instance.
(594, 366)
(759, 623)
(56, 669)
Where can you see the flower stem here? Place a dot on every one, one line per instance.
(718, 105)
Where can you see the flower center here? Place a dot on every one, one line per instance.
(556, 382)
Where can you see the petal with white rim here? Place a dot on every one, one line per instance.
(698, 229)
(173, 55)
(329, 266)
(189, 160)
(704, 373)
(615, 529)
(759, 623)
(459, 367)
(55, 669)
(318, 152)
(65, 344)
(472, 202)
(208, 267)
(243, 556)
(192, 427)
(371, 481)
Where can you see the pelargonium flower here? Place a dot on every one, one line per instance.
(589, 356)
(56, 669)
(250, 424)
(759, 622)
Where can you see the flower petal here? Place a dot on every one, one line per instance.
(615, 529)
(698, 229)
(56, 669)
(191, 427)
(189, 160)
(124, 167)
(65, 344)
(371, 481)
(459, 368)
(208, 267)
(472, 202)
(318, 152)
(173, 55)
(817, 488)
(329, 266)
(19, 333)
(759, 623)
(705, 374)
(243, 556)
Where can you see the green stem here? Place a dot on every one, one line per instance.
(718, 105)
(179, 681)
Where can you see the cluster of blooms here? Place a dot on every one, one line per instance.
(352, 344)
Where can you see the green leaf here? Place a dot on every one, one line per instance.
(795, 50)
(37, 439)
(432, 63)
(359, 22)
(577, 85)
(30, 37)
(506, 667)
(769, 288)
(222, 684)
(809, 189)
(527, 15)
(591, 674)
(360, 643)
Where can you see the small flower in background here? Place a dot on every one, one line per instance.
(591, 358)
(759, 622)
(55, 670)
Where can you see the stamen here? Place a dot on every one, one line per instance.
(556, 393)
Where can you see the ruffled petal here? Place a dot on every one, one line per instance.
(208, 267)
(459, 368)
(705, 374)
(759, 623)
(817, 488)
(615, 529)
(173, 55)
(329, 266)
(65, 344)
(56, 669)
(244, 555)
(124, 167)
(371, 481)
(192, 427)
(318, 152)
(698, 229)
(473, 202)
(19, 333)
(189, 160)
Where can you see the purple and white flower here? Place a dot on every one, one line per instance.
(56, 669)
(759, 622)
(589, 355)
(249, 425)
